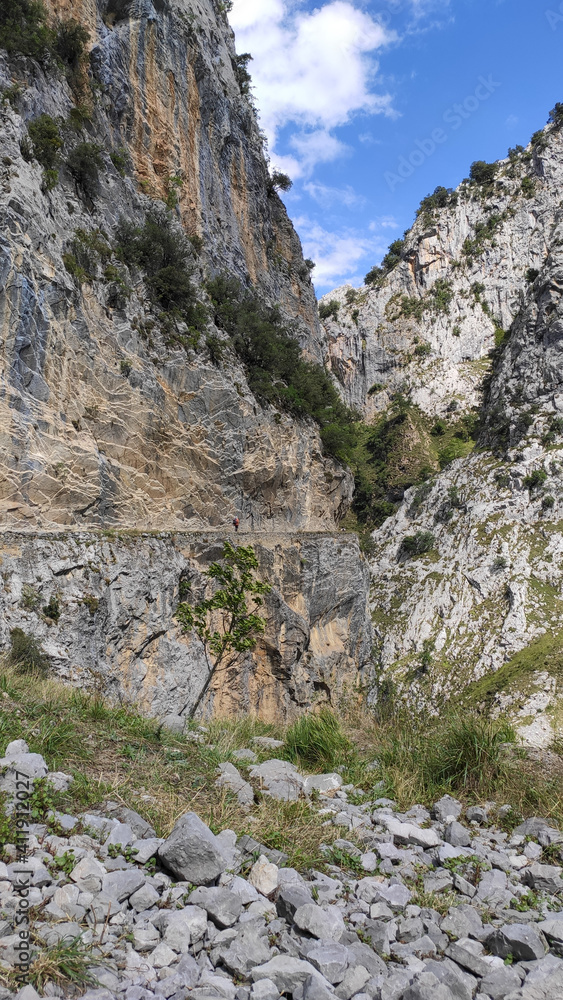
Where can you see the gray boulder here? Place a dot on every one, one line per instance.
(522, 941)
(550, 988)
(230, 778)
(224, 907)
(249, 949)
(330, 959)
(500, 982)
(544, 877)
(320, 922)
(445, 807)
(191, 852)
(290, 898)
(286, 972)
(457, 835)
(553, 930)
(122, 884)
(354, 981)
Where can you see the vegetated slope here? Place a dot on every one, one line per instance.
(467, 592)
(136, 204)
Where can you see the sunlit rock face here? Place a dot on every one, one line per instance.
(102, 422)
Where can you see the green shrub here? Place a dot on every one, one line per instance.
(31, 598)
(442, 294)
(84, 163)
(161, 249)
(279, 182)
(535, 479)
(418, 544)
(26, 653)
(456, 332)
(46, 141)
(439, 428)
(394, 254)
(556, 116)
(375, 276)
(317, 740)
(327, 309)
(52, 610)
(276, 370)
(216, 348)
(440, 198)
(120, 160)
(240, 66)
(23, 28)
(422, 350)
(499, 563)
(484, 231)
(531, 274)
(454, 449)
(483, 173)
(70, 44)
(539, 140)
(528, 187)
(12, 94)
(548, 502)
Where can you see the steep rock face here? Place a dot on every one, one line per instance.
(485, 602)
(112, 414)
(103, 421)
(428, 328)
(117, 634)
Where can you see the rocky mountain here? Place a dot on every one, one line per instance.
(464, 317)
(138, 220)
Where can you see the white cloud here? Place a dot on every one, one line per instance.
(383, 222)
(336, 254)
(312, 69)
(328, 196)
(511, 121)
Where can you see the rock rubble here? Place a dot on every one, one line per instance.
(213, 917)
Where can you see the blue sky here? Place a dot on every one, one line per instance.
(358, 99)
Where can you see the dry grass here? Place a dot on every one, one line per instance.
(472, 757)
(115, 753)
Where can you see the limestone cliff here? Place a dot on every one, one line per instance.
(102, 419)
(115, 631)
(467, 587)
(116, 413)
(427, 327)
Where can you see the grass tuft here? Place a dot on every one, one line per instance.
(26, 653)
(317, 741)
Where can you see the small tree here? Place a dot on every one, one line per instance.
(227, 623)
(556, 115)
(279, 182)
(482, 172)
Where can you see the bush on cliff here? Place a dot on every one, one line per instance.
(164, 253)
(276, 369)
(23, 28)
